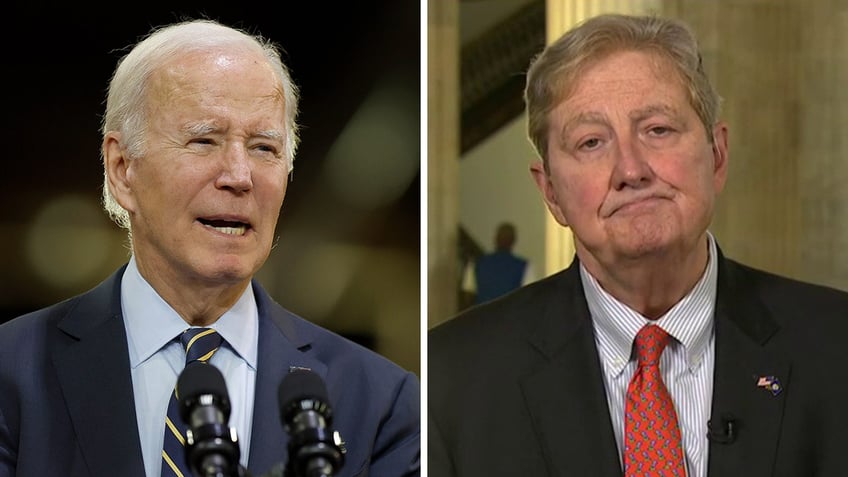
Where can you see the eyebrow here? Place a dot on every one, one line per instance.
(198, 129)
(201, 129)
(272, 134)
(593, 117)
(582, 118)
(651, 110)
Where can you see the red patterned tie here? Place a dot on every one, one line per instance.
(652, 444)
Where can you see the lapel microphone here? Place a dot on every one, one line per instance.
(724, 431)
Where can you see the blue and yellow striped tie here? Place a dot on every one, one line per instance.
(199, 344)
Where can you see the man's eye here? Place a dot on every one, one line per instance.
(590, 143)
(267, 148)
(202, 140)
(659, 130)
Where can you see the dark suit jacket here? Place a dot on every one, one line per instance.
(515, 387)
(66, 397)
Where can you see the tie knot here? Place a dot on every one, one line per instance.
(650, 343)
(200, 343)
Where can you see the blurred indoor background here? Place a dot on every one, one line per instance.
(347, 256)
(780, 65)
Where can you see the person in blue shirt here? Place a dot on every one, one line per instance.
(499, 272)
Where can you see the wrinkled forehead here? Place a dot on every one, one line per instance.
(217, 74)
(197, 64)
(569, 81)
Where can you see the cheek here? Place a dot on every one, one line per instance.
(271, 193)
(179, 186)
(582, 194)
(691, 178)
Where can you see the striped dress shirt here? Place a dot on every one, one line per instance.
(686, 364)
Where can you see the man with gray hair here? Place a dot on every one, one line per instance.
(653, 354)
(199, 137)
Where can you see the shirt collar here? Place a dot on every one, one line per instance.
(689, 321)
(151, 323)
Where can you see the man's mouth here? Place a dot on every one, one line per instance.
(638, 202)
(226, 226)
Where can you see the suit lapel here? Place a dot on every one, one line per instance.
(92, 365)
(565, 394)
(281, 346)
(744, 365)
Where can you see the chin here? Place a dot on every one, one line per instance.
(229, 271)
(640, 241)
(642, 250)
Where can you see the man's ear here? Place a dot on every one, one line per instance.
(543, 182)
(720, 156)
(117, 170)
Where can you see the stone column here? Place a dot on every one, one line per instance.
(442, 159)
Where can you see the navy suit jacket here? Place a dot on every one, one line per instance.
(66, 396)
(515, 386)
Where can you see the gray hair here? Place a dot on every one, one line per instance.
(128, 88)
(553, 74)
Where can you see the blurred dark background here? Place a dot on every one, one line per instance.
(349, 232)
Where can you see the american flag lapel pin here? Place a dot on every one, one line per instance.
(770, 383)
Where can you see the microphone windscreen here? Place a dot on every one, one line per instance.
(302, 389)
(200, 378)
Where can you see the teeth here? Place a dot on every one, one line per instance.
(230, 230)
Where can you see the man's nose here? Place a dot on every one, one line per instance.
(632, 167)
(236, 171)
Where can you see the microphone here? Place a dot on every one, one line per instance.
(724, 431)
(212, 448)
(314, 451)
